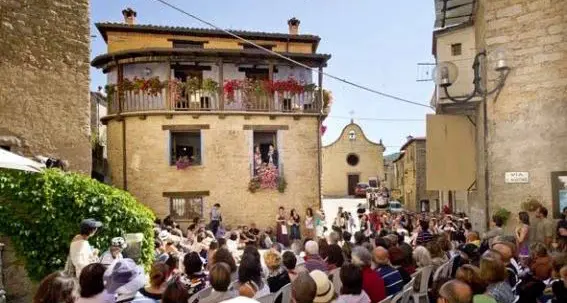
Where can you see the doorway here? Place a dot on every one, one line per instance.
(353, 180)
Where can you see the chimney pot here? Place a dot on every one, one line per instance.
(293, 26)
(129, 16)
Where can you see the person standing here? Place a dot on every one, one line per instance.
(522, 235)
(543, 228)
(281, 227)
(320, 223)
(216, 218)
(294, 222)
(309, 224)
(81, 253)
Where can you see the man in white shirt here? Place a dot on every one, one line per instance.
(81, 253)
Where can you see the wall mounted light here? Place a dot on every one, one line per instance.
(446, 73)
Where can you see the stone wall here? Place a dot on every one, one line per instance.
(226, 168)
(44, 77)
(19, 288)
(335, 166)
(527, 121)
(421, 177)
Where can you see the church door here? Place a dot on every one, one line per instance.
(352, 181)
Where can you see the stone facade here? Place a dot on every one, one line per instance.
(336, 170)
(411, 176)
(526, 123)
(226, 165)
(44, 95)
(44, 78)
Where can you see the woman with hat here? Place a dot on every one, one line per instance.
(114, 252)
(81, 253)
(124, 278)
(325, 290)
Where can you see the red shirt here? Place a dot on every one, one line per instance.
(373, 285)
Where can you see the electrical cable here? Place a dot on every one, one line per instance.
(291, 60)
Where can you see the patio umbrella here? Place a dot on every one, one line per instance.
(12, 161)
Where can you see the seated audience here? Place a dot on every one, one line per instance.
(277, 275)
(194, 272)
(177, 291)
(372, 283)
(124, 278)
(220, 278)
(92, 285)
(151, 293)
(334, 262)
(289, 261)
(470, 274)
(421, 256)
(507, 250)
(325, 290)
(303, 289)
(392, 278)
(313, 260)
(455, 291)
(351, 290)
(493, 273)
(400, 262)
(559, 287)
(223, 255)
(250, 275)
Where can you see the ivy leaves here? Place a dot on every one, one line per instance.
(41, 213)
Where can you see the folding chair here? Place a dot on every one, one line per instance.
(423, 284)
(270, 298)
(284, 292)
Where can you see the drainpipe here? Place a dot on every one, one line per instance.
(486, 171)
(119, 79)
(319, 121)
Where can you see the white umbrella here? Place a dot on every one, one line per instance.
(13, 161)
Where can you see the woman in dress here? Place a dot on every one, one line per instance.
(281, 227)
(365, 226)
(309, 224)
(320, 224)
(294, 222)
(522, 235)
(257, 159)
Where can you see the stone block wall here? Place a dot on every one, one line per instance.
(44, 77)
(527, 121)
(421, 177)
(226, 170)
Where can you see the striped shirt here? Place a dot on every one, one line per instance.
(392, 279)
(423, 237)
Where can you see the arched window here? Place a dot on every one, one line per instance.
(351, 135)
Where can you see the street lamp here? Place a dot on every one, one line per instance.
(447, 72)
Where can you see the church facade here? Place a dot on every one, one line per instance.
(349, 160)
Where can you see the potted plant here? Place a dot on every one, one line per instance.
(503, 213)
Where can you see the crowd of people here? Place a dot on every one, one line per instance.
(380, 257)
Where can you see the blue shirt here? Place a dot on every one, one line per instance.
(392, 279)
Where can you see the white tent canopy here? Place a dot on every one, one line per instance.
(12, 161)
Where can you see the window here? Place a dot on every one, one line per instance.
(188, 44)
(352, 159)
(186, 146)
(265, 150)
(185, 209)
(456, 49)
(352, 135)
(5, 147)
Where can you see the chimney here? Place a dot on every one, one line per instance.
(129, 16)
(293, 26)
(409, 137)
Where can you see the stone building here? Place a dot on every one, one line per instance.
(196, 117)
(521, 129)
(44, 80)
(44, 97)
(410, 175)
(351, 159)
(389, 170)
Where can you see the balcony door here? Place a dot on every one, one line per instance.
(189, 98)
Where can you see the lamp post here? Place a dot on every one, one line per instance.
(446, 74)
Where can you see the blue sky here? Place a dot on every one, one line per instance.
(376, 43)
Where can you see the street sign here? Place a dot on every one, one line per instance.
(517, 177)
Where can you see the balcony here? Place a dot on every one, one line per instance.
(195, 95)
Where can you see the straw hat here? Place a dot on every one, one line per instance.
(325, 289)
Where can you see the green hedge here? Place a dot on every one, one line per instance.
(41, 213)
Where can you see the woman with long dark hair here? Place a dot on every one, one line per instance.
(309, 224)
(294, 221)
(522, 235)
(281, 227)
